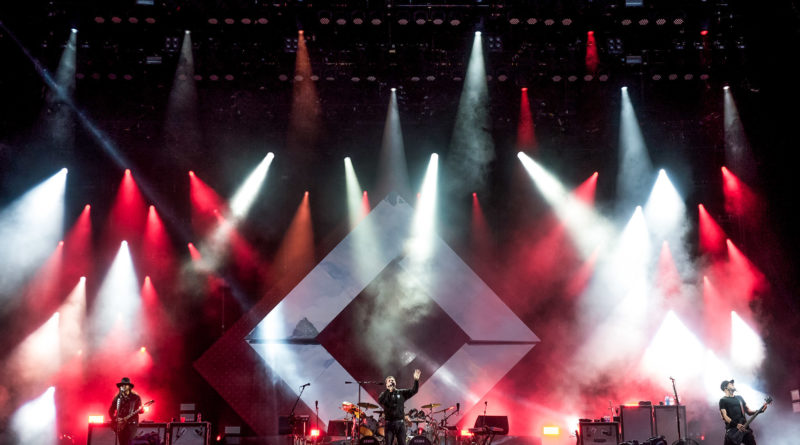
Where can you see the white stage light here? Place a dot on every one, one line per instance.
(118, 299)
(354, 194)
(674, 351)
(35, 421)
(747, 348)
(246, 194)
(587, 228)
(665, 212)
(30, 228)
(424, 223)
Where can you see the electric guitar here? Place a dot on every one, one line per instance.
(120, 422)
(735, 436)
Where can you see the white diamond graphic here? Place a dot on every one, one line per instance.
(285, 337)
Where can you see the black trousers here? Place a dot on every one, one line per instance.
(396, 428)
(125, 435)
(748, 439)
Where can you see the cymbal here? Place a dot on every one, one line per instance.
(367, 405)
(431, 406)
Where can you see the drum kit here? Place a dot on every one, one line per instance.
(423, 428)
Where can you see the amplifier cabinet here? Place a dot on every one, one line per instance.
(148, 433)
(637, 422)
(667, 422)
(189, 433)
(599, 433)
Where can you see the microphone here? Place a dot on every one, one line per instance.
(672, 379)
(347, 383)
(307, 384)
(458, 407)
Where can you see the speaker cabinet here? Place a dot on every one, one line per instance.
(637, 422)
(339, 428)
(188, 433)
(599, 433)
(667, 422)
(147, 434)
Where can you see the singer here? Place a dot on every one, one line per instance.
(124, 412)
(393, 402)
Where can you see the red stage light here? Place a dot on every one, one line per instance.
(96, 419)
(127, 171)
(87, 207)
(314, 432)
(704, 32)
(142, 349)
(194, 253)
(526, 128)
(466, 433)
(191, 173)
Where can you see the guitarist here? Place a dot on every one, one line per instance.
(126, 404)
(734, 410)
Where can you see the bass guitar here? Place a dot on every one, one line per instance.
(120, 422)
(735, 436)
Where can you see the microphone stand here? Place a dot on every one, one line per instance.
(316, 422)
(291, 416)
(680, 440)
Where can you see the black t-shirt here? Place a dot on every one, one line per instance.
(733, 408)
(393, 402)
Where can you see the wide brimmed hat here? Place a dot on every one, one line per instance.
(125, 381)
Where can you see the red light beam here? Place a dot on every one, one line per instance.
(526, 131)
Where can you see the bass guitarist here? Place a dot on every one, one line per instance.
(124, 412)
(734, 411)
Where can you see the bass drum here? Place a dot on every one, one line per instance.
(419, 440)
(369, 440)
(368, 427)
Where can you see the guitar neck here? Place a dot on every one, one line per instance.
(752, 418)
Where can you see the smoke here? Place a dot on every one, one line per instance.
(400, 304)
